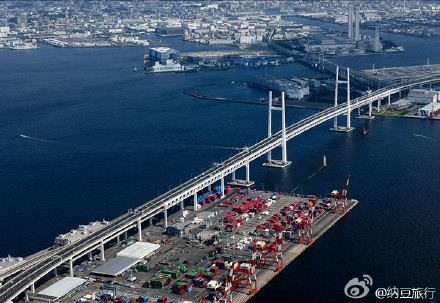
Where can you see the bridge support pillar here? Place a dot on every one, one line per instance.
(101, 255)
(118, 239)
(269, 127)
(245, 183)
(335, 119)
(33, 287)
(90, 255)
(195, 202)
(389, 100)
(71, 267)
(283, 119)
(139, 228)
(370, 106)
(348, 128)
(209, 187)
(150, 221)
(348, 101)
(55, 272)
(400, 94)
(125, 235)
(379, 101)
(283, 162)
(182, 205)
(222, 186)
(165, 216)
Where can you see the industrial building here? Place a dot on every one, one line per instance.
(126, 259)
(76, 234)
(429, 109)
(162, 59)
(170, 31)
(293, 88)
(400, 104)
(162, 54)
(183, 228)
(58, 290)
(178, 229)
(423, 96)
(250, 39)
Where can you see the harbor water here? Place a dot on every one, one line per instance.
(84, 138)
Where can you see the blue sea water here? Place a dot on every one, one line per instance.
(84, 138)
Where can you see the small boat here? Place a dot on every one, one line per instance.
(135, 69)
(364, 131)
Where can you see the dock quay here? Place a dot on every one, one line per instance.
(194, 261)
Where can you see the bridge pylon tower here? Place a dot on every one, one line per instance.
(348, 128)
(283, 162)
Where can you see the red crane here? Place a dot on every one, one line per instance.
(272, 253)
(305, 229)
(244, 274)
(341, 199)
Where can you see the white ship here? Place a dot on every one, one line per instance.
(24, 46)
(171, 66)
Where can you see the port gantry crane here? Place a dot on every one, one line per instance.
(341, 198)
(245, 274)
(305, 230)
(239, 275)
(272, 253)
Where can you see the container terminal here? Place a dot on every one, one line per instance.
(224, 252)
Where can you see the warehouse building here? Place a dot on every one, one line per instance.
(426, 110)
(423, 96)
(126, 259)
(58, 290)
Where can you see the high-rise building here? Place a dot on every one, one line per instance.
(356, 24)
(350, 21)
(377, 44)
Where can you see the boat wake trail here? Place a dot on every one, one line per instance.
(422, 136)
(222, 147)
(76, 147)
(38, 139)
(209, 147)
(308, 178)
(312, 175)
